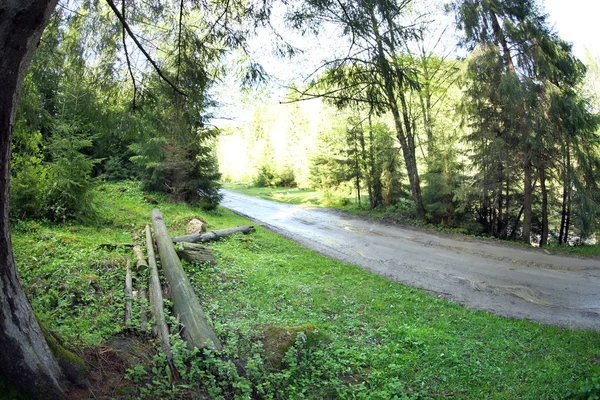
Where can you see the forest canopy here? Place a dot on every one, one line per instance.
(498, 138)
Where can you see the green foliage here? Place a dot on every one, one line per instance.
(190, 173)
(29, 176)
(267, 176)
(58, 189)
(70, 192)
(75, 121)
(588, 389)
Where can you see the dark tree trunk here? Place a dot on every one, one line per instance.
(527, 187)
(568, 221)
(563, 214)
(26, 361)
(525, 134)
(507, 205)
(402, 134)
(544, 238)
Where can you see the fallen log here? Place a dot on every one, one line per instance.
(143, 316)
(140, 260)
(196, 329)
(128, 294)
(156, 300)
(214, 235)
(195, 253)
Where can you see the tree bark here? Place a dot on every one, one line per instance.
(568, 221)
(527, 185)
(566, 177)
(196, 329)
(26, 360)
(544, 238)
(210, 236)
(156, 300)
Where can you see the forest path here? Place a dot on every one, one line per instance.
(503, 279)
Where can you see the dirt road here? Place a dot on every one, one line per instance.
(503, 279)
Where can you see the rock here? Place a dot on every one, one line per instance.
(277, 340)
(195, 226)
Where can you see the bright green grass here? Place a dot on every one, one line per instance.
(377, 339)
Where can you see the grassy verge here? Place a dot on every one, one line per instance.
(353, 334)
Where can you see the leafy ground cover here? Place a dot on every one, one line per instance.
(293, 323)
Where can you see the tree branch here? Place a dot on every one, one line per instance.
(138, 44)
(179, 40)
(127, 56)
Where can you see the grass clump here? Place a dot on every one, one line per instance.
(348, 333)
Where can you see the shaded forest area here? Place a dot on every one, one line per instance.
(80, 120)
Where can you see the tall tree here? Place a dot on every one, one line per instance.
(25, 357)
(531, 54)
(373, 71)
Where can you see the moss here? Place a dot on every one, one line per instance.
(73, 366)
(278, 340)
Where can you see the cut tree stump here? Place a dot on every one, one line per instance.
(156, 300)
(196, 329)
(195, 253)
(214, 235)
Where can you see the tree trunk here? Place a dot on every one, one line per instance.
(563, 214)
(407, 149)
(26, 360)
(527, 166)
(196, 328)
(527, 186)
(500, 217)
(210, 236)
(544, 238)
(568, 221)
(376, 196)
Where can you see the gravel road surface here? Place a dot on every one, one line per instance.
(503, 279)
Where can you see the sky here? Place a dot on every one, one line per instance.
(577, 21)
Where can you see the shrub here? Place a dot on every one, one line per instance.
(70, 191)
(29, 181)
